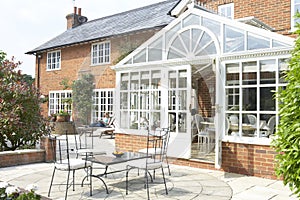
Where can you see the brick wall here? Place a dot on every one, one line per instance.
(247, 159)
(276, 14)
(21, 157)
(27, 156)
(77, 59)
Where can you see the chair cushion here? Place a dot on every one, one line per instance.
(90, 151)
(151, 151)
(141, 164)
(74, 164)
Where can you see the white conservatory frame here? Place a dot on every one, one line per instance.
(212, 41)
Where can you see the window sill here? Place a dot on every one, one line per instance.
(100, 64)
(50, 70)
(247, 140)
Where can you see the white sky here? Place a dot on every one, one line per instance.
(26, 24)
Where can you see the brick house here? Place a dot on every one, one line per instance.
(205, 69)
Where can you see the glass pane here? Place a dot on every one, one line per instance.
(196, 37)
(156, 120)
(212, 25)
(182, 79)
(124, 119)
(182, 122)
(283, 67)
(172, 100)
(186, 38)
(134, 81)
(182, 100)
(250, 99)
(145, 80)
(191, 19)
(172, 79)
(232, 74)
(134, 123)
(267, 71)
(257, 42)
(249, 126)
(156, 100)
(267, 125)
(234, 39)
(249, 73)
(233, 120)
(172, 32)
(144, 101)
(134, 100)
(155, 50)
(174, 53)
(276, 43)
(172, 121)
(140, 57)
(177, 44)
(267, 99)
(233, 99)
(124, 100)
(155, 81)
(124, 81)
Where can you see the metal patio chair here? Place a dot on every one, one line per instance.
(157, 143)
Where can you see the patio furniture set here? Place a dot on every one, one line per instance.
(82, 156)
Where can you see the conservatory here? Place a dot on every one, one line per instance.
(209, 79)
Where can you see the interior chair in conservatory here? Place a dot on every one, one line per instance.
(253, 121)
(204, 136)
(66, 161)
(157, 144)
(269, 128)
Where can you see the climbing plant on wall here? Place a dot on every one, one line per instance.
(82, 93)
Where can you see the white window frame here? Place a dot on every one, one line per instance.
(223, 10)
(102, 103)
(55, 101)
(256, 139)
(53, 60)
(293, 12)
(100, 53)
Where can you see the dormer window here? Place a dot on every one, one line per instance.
(226, 10)
(101, 53)
(53, 60)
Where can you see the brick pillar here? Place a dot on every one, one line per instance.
(49, 145)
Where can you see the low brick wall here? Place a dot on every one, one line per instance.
(21, 157)
(248, 159)
(28, 156)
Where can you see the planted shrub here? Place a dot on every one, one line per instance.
(21, 124)
(287, 140)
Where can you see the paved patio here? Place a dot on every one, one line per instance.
(184, 183)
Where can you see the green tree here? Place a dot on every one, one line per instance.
(82, 93)
(20, 119)
(287, 142)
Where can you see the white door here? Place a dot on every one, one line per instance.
(177, 109)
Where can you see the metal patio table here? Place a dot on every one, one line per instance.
(109, 160)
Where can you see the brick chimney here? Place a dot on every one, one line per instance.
(75, 19)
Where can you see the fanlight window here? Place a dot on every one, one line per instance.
(191, 43)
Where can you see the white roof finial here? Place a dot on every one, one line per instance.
(191, 5)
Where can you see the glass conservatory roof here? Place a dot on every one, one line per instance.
(196, 34)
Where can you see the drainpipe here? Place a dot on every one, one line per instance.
(39, 57)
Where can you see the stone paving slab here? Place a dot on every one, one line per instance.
(185, 183)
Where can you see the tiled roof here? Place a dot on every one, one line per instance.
(155, 15)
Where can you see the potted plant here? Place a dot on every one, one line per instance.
(63, 116)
